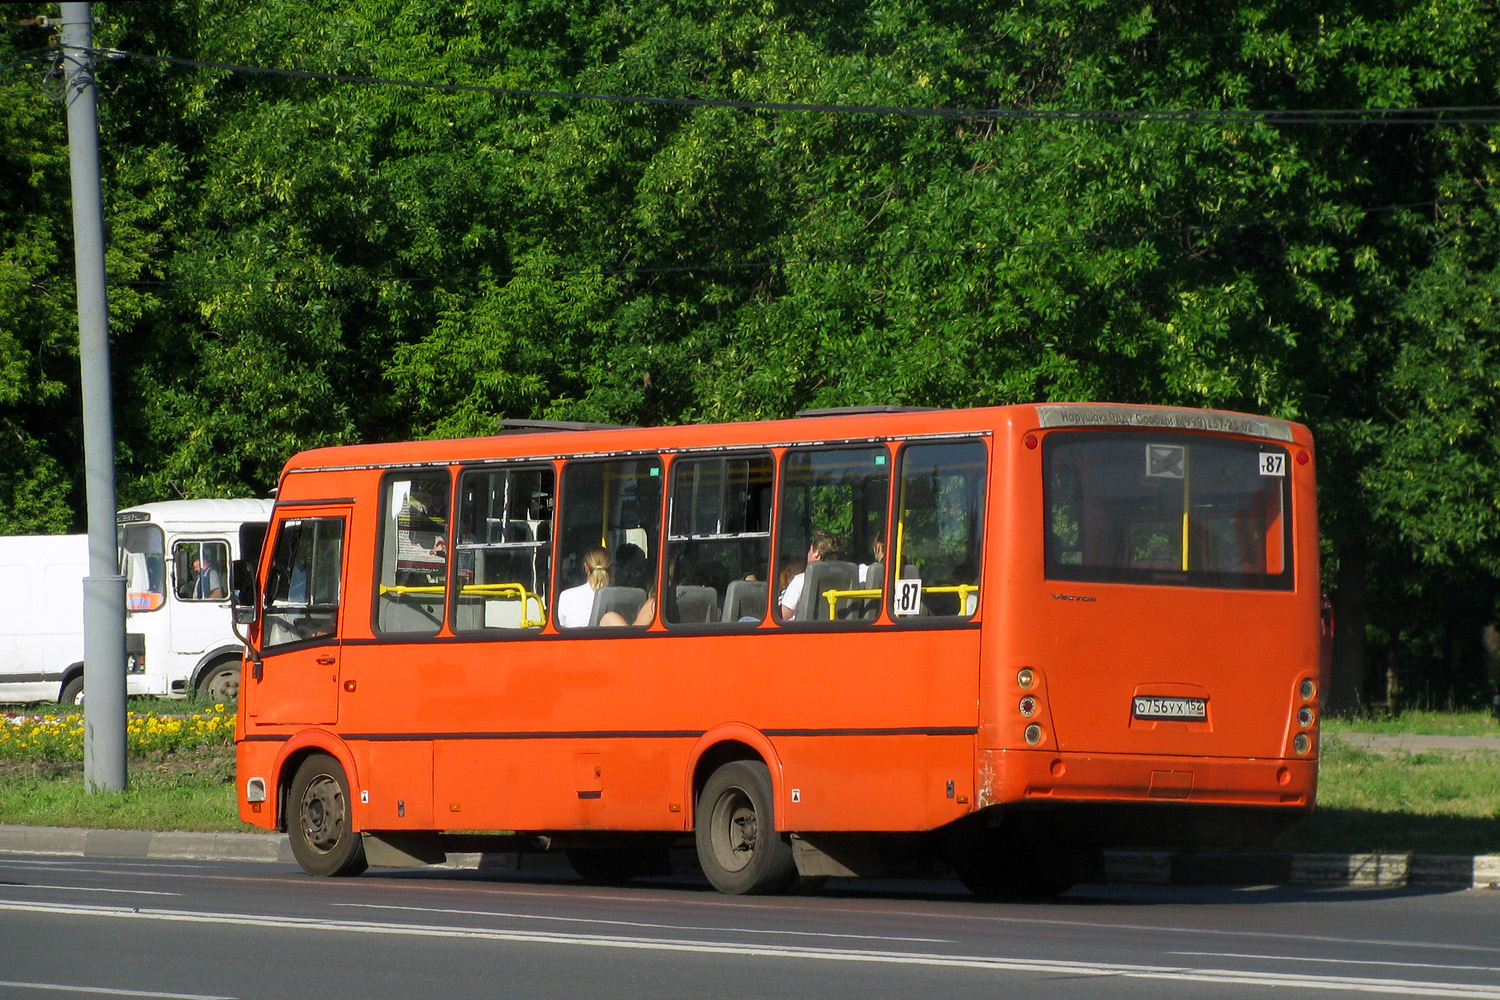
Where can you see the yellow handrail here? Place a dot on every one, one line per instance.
(511, 591)
(963, 590)
(834, 596)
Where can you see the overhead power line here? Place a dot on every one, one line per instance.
(1466, 115)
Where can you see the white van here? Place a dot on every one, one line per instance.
(176, 557)
(41, 616)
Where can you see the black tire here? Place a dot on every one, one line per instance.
(220, 682)
(617, 865)
(72, 692)
(1011, 868)
(735, 828)
(320, 822)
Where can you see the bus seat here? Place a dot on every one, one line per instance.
(626, 601)
(745, 599)
(696, 604)
(828, 574)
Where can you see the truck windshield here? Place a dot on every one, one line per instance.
(1167, 508)
(143, 564)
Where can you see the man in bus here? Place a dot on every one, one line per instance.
(208, 582)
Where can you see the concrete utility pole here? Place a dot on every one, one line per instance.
(103, 588)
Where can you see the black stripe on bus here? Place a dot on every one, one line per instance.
(619, 734)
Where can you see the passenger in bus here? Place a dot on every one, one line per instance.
(208, 582)
(575, 604)
(824, 546)
(630, 568)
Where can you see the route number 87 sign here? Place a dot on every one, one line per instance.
(908, 597)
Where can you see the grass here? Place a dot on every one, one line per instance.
(1433, 802)
(1418, 723)
(180, 769)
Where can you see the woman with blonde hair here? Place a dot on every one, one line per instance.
(575, 604)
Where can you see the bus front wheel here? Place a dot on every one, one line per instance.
(320, 826)
(738, 845)
(221, 681)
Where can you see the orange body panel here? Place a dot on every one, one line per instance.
(886, 726)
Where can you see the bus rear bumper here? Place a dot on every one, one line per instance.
(1123, 800)
(1013, 776)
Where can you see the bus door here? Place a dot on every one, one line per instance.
(1166, 623)
(298, 678)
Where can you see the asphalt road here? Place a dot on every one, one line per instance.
(100, 926)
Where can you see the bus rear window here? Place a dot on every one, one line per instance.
(1165, 508)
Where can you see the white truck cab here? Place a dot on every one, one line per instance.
(176, 557)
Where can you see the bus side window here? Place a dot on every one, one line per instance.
(413, 552)
(614, 508)
(830, 554)
(503, 554)
(719, 539)
(940, 532)
(200, 570)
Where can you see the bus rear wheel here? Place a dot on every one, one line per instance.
(320, 826)
(738, 845)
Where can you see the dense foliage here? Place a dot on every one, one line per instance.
(303, 260)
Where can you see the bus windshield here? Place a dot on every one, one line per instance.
(1167, 508)
(143, 564)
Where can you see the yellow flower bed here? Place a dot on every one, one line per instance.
(60, 737)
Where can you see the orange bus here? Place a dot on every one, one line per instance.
(997, 639)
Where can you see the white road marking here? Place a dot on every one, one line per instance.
(1336, 961)
(1257, 980)
(634, 923)
(86, 888)
(107, 991)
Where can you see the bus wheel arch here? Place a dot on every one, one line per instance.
(290, 760)
(735, 800)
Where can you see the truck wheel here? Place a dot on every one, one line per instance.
(72, 692)
(221, 681)
(321, 824)
(735, 828)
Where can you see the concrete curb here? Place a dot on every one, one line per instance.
(1364, 870)
(1132, 867)
(153, 845)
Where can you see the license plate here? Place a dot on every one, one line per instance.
(1189, 709)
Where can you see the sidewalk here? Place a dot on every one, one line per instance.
(1131, 867)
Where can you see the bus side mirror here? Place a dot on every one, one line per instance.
(243, 587)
